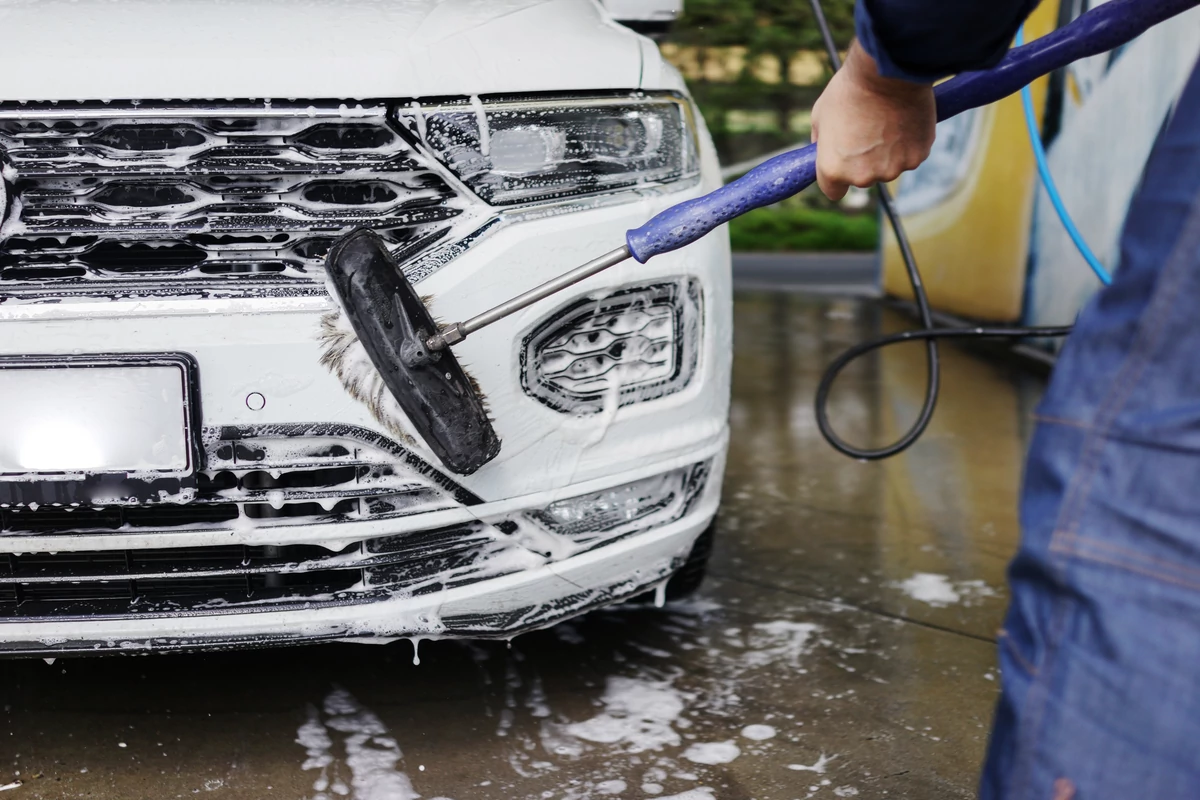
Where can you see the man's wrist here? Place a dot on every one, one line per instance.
(863, 70)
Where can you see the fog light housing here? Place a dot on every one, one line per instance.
(635, 345)
(619, 511)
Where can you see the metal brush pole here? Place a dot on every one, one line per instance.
(457, 331)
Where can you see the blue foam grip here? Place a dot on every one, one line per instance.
(769, 182)
(1097, 31)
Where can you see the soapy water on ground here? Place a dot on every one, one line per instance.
(369, 767)
(654, 730)
(759, 733)
(939, 591)
(712, 753)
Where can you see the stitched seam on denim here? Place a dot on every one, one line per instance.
(1087, 426)
(1113, 561)
(1145, 340)
(1035, 705)
(1006, 641)
(1079, 543)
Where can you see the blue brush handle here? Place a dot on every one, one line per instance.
(1097, 31)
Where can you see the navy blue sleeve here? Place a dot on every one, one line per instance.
(925, 40)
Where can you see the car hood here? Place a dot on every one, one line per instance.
(313, 49)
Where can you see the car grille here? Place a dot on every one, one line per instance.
(282, 475)
(182, 198)
(269, 476)
(228, 578)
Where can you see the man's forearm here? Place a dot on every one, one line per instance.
(878, 115)
(924, 40)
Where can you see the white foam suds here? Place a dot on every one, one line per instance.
(779, 642)
(927, 587)
(712, 753)
(655, 732)
(758, 733)
(416, 643)
(938, 590)
(639, 715)
(845, 791)
(817, 766)
(485, 133)
(419, 116)
(371, 755)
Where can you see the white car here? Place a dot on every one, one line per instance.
(195, 451)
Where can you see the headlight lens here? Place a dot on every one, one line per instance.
(511, 152)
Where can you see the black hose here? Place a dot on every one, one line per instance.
(928, 332)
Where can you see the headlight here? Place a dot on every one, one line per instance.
(522, 151)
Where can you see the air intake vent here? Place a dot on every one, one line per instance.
(179, 197)
(227, 578)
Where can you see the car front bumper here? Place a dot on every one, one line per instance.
(269, 350)
(499, 607)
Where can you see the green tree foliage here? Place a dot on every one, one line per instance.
(777, 29)
(793, 227)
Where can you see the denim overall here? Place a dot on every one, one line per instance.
(1100, 651)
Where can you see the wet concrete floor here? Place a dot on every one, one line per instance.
(843, 646)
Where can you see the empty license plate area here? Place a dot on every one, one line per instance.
(94, 415)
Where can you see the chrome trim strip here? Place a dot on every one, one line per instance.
(542, 100)
(335, 562)
(265, 111)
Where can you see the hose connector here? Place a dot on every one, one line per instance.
(448, 335)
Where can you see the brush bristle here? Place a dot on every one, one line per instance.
(344, 355)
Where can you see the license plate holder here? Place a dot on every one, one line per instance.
(83, 417)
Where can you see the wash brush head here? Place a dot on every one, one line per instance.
(383, 318)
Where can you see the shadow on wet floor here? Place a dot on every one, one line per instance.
(842, 647)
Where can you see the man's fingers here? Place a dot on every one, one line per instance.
(833, 175)
(832, 188)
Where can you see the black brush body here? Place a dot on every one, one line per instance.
(392, 323)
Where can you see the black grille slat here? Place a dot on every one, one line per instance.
(188, 198)
(285, 481)
(161, 562)
(151, 596)
(221, 577)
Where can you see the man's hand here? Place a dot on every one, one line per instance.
(869, 129)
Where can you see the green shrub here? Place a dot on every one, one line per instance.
(795, 227)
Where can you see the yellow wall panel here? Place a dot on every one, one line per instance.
(973, 247)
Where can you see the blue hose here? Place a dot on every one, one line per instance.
(1039, 155)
